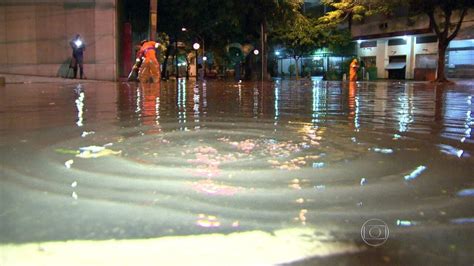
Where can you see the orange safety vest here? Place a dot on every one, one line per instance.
(148, 50)
(353, 71)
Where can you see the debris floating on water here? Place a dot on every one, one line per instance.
(66, 151)
(469, 192)
(95, 152)
(68, 163)
(383, 150)
(318, 165)
(406, 223)
(87, 133)
(415, 172)
(91, 149)
(450, 150)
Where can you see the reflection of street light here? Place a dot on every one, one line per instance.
(196, 47)
(183, 29)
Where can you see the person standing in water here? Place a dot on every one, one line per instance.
(78, 48)
(353, 70)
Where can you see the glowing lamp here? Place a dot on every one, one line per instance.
(78, 43)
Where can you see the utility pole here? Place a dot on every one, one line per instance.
(153, 19)
(262, 47)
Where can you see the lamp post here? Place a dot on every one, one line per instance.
(196, 47)
(183, 29)
(200, 39)
(256, 52)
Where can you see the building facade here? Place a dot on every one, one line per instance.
(35, 35)
(404, 47)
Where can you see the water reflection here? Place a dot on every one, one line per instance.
(80, 105)
(220, 157)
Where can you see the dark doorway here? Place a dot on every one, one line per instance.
(132, 27)
(396, 67)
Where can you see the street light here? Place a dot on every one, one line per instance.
(196, 47)
(256, 52)
(278, 53)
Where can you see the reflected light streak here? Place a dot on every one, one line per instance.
(405, 111)
(255, 102)
(316, 103)
(196, 99)
(204, 95)
(139, 99)
(277, 101)
(354, 105)
(181, 102)
(468, 122)
(80, 105)
(157, 112)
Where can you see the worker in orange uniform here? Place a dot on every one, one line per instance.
(150, 68)
(353, 70)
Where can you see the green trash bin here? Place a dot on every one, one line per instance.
(372, 71)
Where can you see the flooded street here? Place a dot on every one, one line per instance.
(220, 173)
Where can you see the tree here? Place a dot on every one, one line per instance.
(220, 22)
(261, 16)
(350, 10)
(301, 36)
(297, 38)
(444, 23)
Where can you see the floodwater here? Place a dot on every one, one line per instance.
(220, 173)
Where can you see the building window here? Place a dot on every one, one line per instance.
(398, 41)
(368, 44)
(427, 39)
(461, 54)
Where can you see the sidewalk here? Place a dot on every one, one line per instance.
(14, 78)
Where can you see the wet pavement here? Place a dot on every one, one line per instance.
(296, 170)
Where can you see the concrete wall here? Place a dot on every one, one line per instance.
(35, 35)
(382, 26)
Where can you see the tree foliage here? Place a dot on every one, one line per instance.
(302, 35)
(356, 10)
